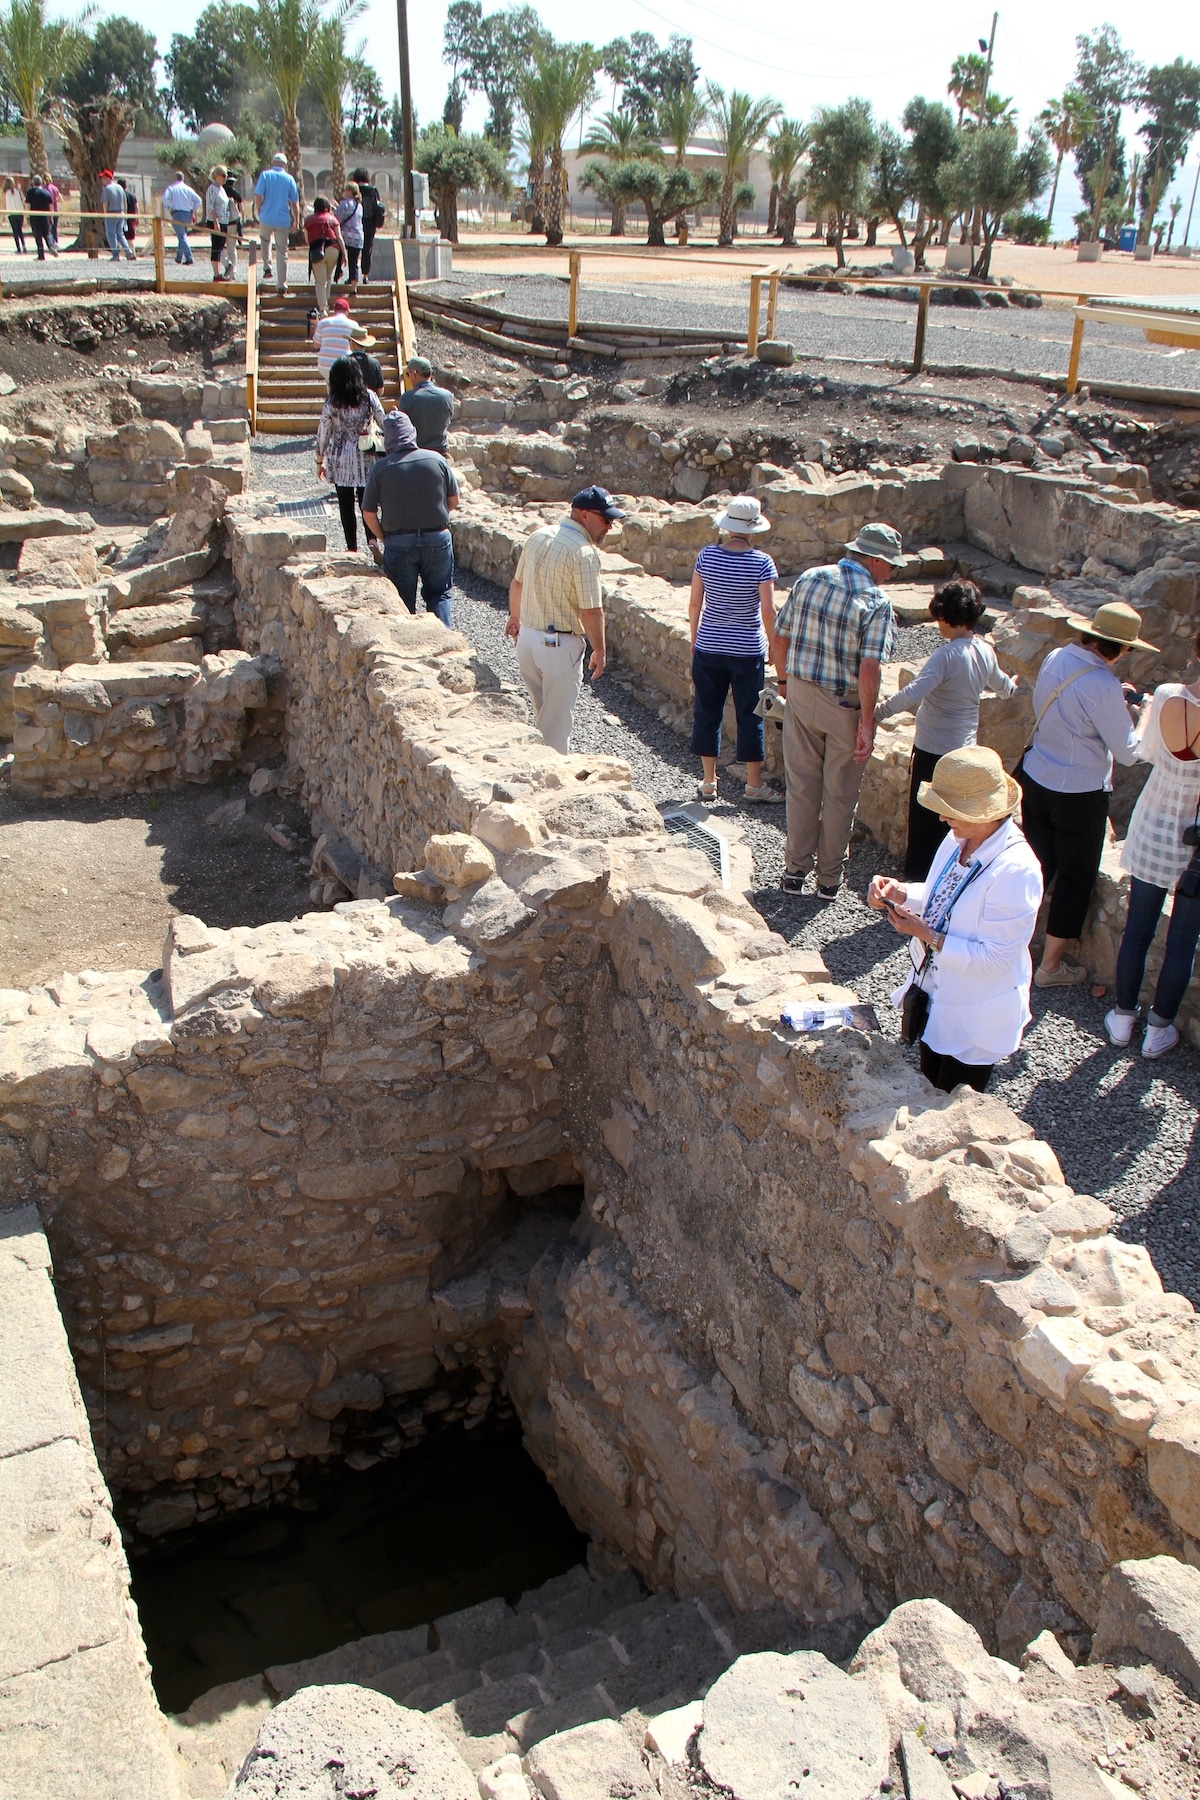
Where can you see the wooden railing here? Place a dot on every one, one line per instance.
(406, 335)
(252, 337)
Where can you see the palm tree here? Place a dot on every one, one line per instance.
(785, 146)
(329, 71)
(556, 89)
(36, 53)
(619, 139)
(965, 86)
(739, 123)
(285, 38)
(1067, 121)
(680, 116)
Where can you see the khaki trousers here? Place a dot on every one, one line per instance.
(823, 780)
(554, 675)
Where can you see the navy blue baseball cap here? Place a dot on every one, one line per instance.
(598, 500)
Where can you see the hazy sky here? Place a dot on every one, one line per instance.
(804, 56)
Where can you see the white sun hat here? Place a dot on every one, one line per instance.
(743, 517)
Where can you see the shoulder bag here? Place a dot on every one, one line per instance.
(914, 1008)
(1051, 698)
(370, 438)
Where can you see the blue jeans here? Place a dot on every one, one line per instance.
(114, 231)
(1183, 932)
(712, 678)
(429, 555)
(183, 250)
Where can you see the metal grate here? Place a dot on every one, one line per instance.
(701, 837)
(313, 506)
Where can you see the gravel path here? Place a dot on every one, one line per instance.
(1123, 1129)
(854, 326)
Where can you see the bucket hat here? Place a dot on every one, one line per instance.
(1116, 623)
(743, 516)
(880, 541)
(970, 784)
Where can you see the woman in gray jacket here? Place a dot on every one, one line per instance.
(945, 697)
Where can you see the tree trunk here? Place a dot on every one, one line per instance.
(1102, 190)
(35, 141)
(839, 232)
(447, 211)
(984, 261)
(617, 228)
(656, 234)
(873, 233)
(788, 205)
(537, 192)
(554, 196)
(1054, 186)
(291, 149)
(92, 137)
(337, 157)
(725, 230)
(773, 210)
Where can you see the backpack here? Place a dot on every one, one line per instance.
(374, 211)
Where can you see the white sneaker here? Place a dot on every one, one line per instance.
(1119, 1026)
(1158, 1040)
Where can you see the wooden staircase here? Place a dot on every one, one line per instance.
(288, 391)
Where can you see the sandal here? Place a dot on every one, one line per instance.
(708, 790)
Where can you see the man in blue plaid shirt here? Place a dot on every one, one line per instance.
(831, 635)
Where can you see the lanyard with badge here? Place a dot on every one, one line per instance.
(914, 1010)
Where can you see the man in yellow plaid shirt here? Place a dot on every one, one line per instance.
(556, 609)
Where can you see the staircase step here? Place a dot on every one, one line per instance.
(529, 1728)
(579, 1668)
(590, 1605)
(481, 1631)
(356, 1661)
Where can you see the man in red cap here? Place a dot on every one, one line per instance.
(112, 200)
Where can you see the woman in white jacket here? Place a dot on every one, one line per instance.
(969, 924)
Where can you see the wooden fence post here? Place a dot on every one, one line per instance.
(160, 269)
(573, 261)
(772, 304)
(922, 323)
(756, 282)
(1076, 347)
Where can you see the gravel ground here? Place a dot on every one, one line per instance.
(853, 326)
(1123, 1129)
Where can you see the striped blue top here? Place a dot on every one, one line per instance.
(731, 622)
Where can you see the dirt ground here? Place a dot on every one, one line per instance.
(92, 884)
(67, 343)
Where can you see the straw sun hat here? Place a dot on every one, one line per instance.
(743, 517)
(970, 785)
(1116, 623)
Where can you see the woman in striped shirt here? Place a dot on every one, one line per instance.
(731, 616)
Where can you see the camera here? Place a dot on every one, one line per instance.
(1191, 836)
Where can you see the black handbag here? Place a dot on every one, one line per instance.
(914, 1013)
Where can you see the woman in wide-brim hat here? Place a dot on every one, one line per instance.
(1082, 725)
(970, 922)
(731, 618)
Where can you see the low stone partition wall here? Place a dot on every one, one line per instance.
(77, 1713)
(140, 468)
(820, 1329)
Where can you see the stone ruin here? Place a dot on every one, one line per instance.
(822, 1359)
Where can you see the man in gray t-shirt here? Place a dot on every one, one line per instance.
(408, 499)
(430, 408)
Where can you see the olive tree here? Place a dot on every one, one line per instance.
(841, 149)
(454, 164)
(994, 174)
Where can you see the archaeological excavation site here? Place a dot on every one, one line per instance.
(457, 1340)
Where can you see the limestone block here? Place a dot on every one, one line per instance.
(1126, 1395)
(162, 442)
(458, 860)
(682, 935)
(592, 1762)
(504, 1779)
(1151, 1607)
(198, 445)
(139, 627)
(505, 826)
(43, 522)
(109, 1741)
(296, 985)
(202, 505)
(924, 1776)
(326, 1742)
(19, 628)
(1055, 1354)
(1173, 1465)
(769, 1714)
(822, 1402)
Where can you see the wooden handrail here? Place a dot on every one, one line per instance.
(405, 330)
(252, 335)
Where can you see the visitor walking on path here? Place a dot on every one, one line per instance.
(373, 216)
(338, 335)
(183, 206)
(966, 1000)
(14, 206)
(1081, 723)
(55, 193)
(346, 418)
(430, 408)
(324, 236)
(277, 206)
(112, 201)
(40, 204)
(131, 209)
(945, 697)
(410, 496)
(218, 210)
(350, 218)
(731, 622)
(832, 634)
(556, 610)
(1162, 851)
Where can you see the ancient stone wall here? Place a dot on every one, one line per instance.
(805, 1289)
(137, 469)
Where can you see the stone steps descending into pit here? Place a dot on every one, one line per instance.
(496, 1678)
